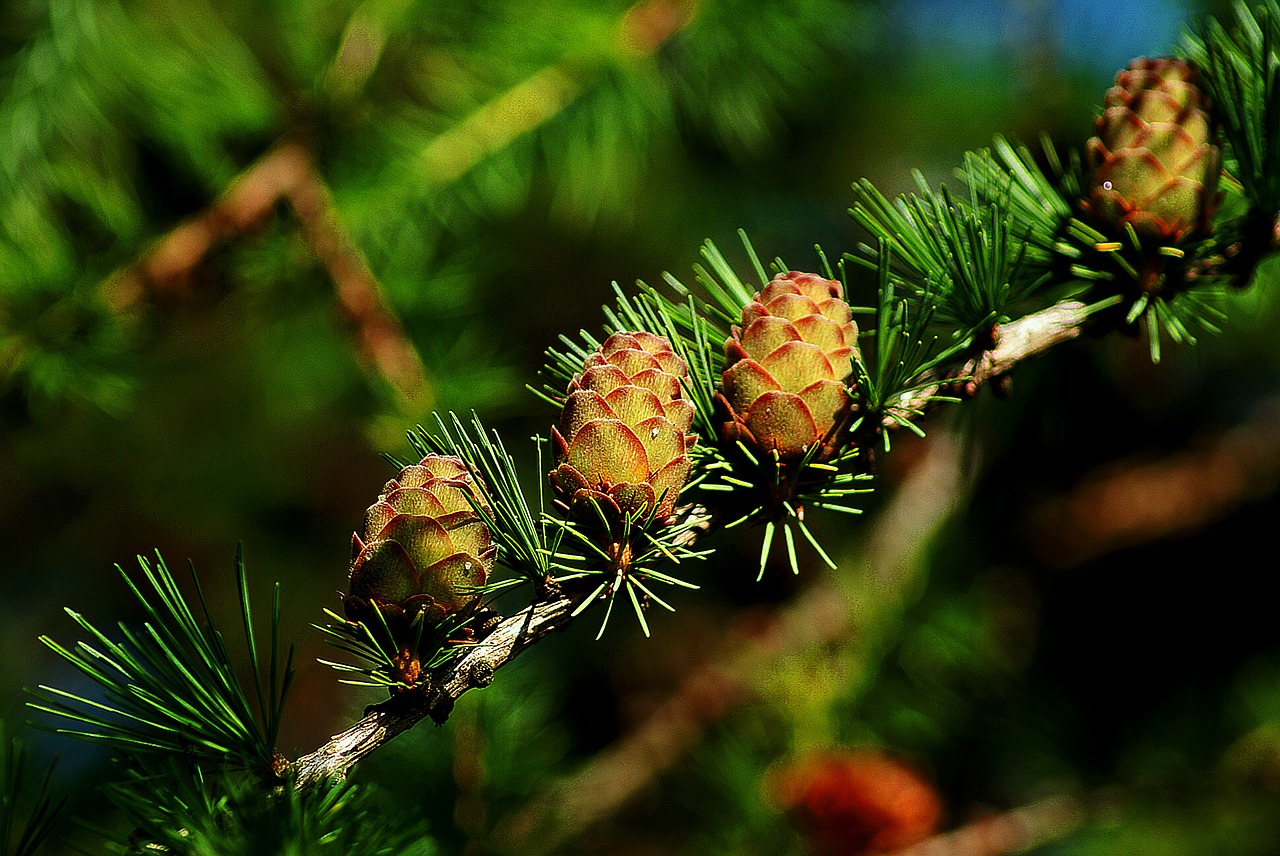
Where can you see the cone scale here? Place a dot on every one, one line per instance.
(421, 551)
(786, 384)
(1156, 168)
(622, 442)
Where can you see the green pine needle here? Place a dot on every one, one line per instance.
(374, 646)
(648, 592)
(755, 259)
(964, 257)
(610, 597)
(688, 331)
(652, 546)
(728, 293)
(1010, 177)
(791, 548)
(526, 539)
(589, 599)
(639, 610)
(661, 577)
(813, 542)
(174, 810)
(1241, 75)
(171, 686)
(765, 548)
(29, 815)
(903, 351)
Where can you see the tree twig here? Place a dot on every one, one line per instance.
(287, 173)
(381, 340)
(1016, 341)
(435, 698)
(166, 270)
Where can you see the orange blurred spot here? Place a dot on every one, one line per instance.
(851, 803)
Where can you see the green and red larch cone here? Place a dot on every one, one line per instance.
(622, 444)
(786, 386)
(1156, 167)
(422, 551)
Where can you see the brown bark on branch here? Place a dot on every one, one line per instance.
(1016, 341)
(166, 270)
(437, 694)
(380, 339)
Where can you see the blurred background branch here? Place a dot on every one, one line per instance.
(1141, 499)
(285, 174)
(1012, 832)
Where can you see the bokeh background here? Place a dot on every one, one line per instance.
(244, 246)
